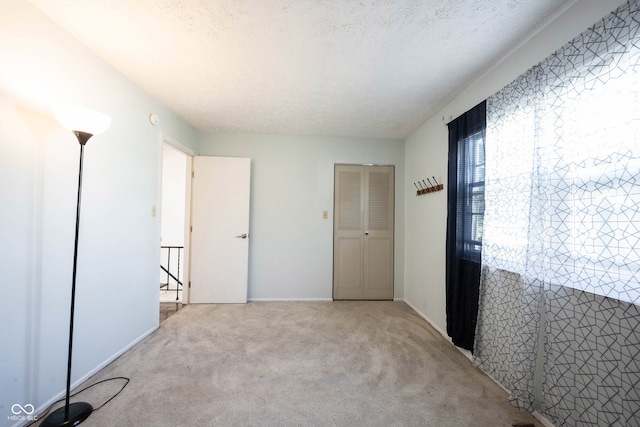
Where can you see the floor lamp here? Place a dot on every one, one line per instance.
(84, 124)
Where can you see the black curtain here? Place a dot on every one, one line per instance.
(465, 205)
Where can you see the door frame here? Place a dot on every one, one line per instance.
(189, 153)
(335, 165)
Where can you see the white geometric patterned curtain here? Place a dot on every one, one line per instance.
(561, 244)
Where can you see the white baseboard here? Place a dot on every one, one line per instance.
(302, 299)
(506, 390)
(466, 353)
(544, 420)
(288, 299)
(88, 375)
(433, 325)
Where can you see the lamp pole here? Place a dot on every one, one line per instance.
(75, 413)
(72, 414)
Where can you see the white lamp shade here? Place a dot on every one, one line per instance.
(82, 119)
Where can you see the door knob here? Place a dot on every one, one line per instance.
(243, 236)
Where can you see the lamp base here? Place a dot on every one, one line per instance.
(78, 412)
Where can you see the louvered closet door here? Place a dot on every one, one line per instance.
(378, 234)
(363, 232)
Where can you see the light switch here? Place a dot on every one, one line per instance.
(325, 214)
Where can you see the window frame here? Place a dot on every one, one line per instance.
(471, 158)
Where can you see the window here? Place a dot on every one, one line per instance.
(595, 182)
(471, 177)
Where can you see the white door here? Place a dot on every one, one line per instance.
(220, 229)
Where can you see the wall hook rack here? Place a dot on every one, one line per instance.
(424, 188)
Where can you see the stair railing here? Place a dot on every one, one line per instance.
(167, 270)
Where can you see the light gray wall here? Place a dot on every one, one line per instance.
(426, 153)
(118, 274)
(291, 246)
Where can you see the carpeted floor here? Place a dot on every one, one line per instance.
(298, 364)
(168, 309)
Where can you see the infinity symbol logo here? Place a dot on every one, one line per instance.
(27, 409)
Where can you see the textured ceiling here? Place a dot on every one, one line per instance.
(369, 68)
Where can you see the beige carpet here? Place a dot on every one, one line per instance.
(298, 364)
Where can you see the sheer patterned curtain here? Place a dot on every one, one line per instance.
(561, 244)
(510, 292)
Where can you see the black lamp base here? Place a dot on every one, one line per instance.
(78, 412)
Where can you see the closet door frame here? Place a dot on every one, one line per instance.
(361, 234)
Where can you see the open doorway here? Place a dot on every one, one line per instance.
(176, 166)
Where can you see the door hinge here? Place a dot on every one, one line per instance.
(189, 284)
(191, 228)
(193, 174)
